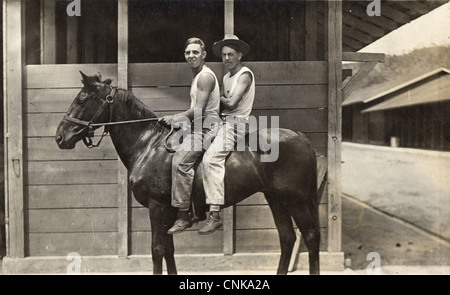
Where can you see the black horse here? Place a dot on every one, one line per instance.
(289, 184)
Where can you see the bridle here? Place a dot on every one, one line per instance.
(90, 125)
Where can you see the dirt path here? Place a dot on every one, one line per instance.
(399, 203)
(366, 230)
(411, 184)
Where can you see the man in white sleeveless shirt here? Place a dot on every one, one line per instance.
(205, 104)
(237, 96)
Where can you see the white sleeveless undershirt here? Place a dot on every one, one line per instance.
(245, 106)
(213, 104)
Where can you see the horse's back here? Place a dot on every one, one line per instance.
(284, 162)
(291, 162)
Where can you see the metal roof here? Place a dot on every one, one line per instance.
(403, 96)
(359, 29)
(406, 84)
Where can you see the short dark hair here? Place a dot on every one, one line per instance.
(195, 40)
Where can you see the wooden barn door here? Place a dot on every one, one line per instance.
(70, 195)
(58, 201)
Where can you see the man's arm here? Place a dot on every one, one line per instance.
(205, 85)
(243, 84)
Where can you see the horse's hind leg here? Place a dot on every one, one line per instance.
(285, 229)
(306, 216)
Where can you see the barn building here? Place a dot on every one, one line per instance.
(412, 114)
(59, 202)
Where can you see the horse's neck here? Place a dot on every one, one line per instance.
(127, 107)
(129, 138)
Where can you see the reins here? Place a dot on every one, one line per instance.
(90, 125)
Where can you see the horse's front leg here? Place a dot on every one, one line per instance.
(161, 218)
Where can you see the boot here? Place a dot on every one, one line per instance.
(183, 222)
(212, 224)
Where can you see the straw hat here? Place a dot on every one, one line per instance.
(233, 42)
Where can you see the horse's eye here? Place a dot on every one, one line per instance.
(82, 97)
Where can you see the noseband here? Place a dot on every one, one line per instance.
(90, 125)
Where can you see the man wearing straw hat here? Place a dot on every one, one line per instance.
(237, 96)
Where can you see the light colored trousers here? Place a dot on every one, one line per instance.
(183, 163)
(214, 161)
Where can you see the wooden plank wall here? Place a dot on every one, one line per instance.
(294, 91)
(70, 195)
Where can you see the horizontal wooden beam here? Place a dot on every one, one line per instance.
(413, 6)
(380, 21)
(347, 47)
(363, 56)
(369, 28)
(356, 34)
(395, 14)
(251, 263)
(353, 43)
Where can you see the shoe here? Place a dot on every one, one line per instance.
(183, 222)
(212, 224)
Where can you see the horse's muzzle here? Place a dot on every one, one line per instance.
(62, 143)
(59, 139)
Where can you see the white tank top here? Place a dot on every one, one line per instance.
(245, 106)
(213, 104)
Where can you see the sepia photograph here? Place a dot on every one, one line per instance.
(225, 137)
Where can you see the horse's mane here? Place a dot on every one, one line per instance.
(141, 110)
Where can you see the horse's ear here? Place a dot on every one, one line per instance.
(98, 77)
(86, 79)
(108, 81)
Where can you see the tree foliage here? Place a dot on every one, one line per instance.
(401, 68)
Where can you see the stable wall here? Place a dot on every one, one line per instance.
(76, 201)
(71, 196)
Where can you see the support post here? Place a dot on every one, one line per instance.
(228, 213)
(72, 39)
(89, 38)
(334, 54)
(311, 30)
(13, 56)
(124, 193)
(48, 32)
(229, 17)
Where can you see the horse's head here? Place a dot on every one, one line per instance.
(90, 106)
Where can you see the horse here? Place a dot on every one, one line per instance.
(289, 184)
